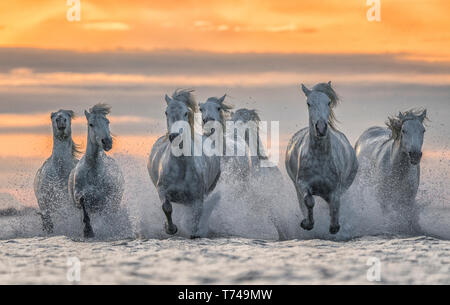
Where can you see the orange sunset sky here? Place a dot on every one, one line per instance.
(417, 27)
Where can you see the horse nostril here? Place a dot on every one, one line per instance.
(415, 155)
(172, 136)
(321, 128)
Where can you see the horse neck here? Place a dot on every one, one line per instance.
(322, 146)
(93, 151)
(399, 160)
(62, 149)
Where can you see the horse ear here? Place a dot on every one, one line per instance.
(87, 114)
(52, 115)
(305, 90)
(423, 116)
(329, 83)
(222, 99)
(168, 100)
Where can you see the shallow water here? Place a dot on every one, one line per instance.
(253, 237)
(416, 260)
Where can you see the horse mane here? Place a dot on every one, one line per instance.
(395, 123)
(103, 109)
(327, 89)
(70, 113)
(76, 150)
(246, 115)
(185, 96)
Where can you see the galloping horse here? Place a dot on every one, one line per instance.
(216, 110)
(391, 156)
(319, 159)
(186, 178)
(50, 183)
(96, 184)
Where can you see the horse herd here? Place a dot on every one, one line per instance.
(320, 161)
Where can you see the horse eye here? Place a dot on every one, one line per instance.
(309, 105)
(218, 108)
(165, 112)
(92, 125)
(186, 114)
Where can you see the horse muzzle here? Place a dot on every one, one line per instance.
(415, 157)
(107, 144)
(321, 129)
(173, 136)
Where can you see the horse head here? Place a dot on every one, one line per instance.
(321, 100)
(62, 123)
(98, 126)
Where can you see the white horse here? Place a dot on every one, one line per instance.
(216, 110)
(50, 183)
(319, 159)
(391, 156)
(186, 179)
(96, 184)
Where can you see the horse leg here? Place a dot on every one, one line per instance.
(306, 206)
(197, 214)
(170, 227)
(334, 205)
(88, 232)
(413, 216)
(47, 223)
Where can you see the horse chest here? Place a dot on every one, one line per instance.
(96, 177)
(56, 178)
(319, 174)
(180, 182)
(401, 186)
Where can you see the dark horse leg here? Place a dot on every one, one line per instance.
(170, 227)
(197, 211)
(88, 232)
(306, 205)
(47, 223)
(334, 204)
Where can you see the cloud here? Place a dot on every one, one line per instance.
(106, 26)
(245, 26)
(164, 62)
(263, 79)
(38, 120)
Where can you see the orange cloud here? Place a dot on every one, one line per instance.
(27, 78)
(331, 26)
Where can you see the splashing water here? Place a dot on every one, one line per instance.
(264, 208)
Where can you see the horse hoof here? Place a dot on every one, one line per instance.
(171, 230)
(306, 225)
(48, 229)
(89, 234)
(334, 229)
(194, 236)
